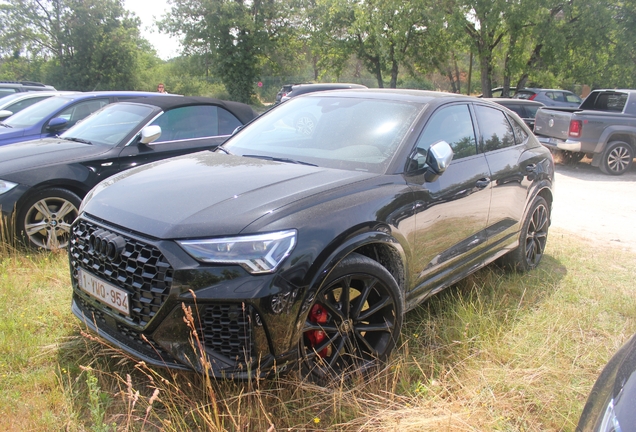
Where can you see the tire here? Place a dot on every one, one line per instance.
(353, 323)
(532, 239)
(617, 158)
(44, 220)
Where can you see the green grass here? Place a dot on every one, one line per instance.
(497, 352)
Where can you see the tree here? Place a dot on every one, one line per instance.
(92, 44)
(236, 35)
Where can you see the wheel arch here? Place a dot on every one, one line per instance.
(77, 188)
(376, 243)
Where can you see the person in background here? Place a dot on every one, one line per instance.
(161, 88)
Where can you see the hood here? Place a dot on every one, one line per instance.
(49, 151)
(8, 134)
(207, 194)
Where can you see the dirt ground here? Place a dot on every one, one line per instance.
(596, 206)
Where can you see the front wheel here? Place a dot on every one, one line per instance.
(617, 158)
(44, 220)
(532, 239)
(354, 321)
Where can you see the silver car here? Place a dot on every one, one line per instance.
(550, 97)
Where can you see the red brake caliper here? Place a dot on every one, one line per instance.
(318, 315)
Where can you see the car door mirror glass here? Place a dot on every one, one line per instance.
(4, 114)
(57, 123)
(150, 134)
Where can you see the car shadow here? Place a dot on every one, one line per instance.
(583, 170)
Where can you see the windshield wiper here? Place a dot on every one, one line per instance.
(280, 159)
(79, 140)
(6, 125)
(223, 149)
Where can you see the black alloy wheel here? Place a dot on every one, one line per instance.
(354, 321)
(617, 158)
(533, 238)
(45, 219)
(571, 158)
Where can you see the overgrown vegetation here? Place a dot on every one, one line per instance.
(229, 47)
(498, 351)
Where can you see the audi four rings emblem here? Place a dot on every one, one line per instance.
(106, 245)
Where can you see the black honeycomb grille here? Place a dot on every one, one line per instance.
(227, 329)
(140, 269)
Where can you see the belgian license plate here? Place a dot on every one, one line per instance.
(104, 292)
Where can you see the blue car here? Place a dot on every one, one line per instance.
(55, 115)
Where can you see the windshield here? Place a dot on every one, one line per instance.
(332, 132)
(36, 113)
(111, 124)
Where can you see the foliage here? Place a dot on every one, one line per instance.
(90, 44)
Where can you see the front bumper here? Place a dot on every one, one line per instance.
(183, 314)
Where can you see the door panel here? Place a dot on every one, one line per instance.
(452, 211)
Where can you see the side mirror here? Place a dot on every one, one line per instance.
(150, 134)
(4, 114)
(438, 158)
(56, 124)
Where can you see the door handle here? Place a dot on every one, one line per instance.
(482, 183)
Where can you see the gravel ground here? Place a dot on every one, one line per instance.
(596, 206)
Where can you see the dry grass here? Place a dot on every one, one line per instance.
(498, 352)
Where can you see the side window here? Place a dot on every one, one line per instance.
(195, 122)
(452, 124)
(496, 131)
(82, 110)
(520, 134)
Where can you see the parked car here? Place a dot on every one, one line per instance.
(610, 404)
(550, 97)
(283, 91)
(289, 246)
(16, 102)
(299, 89)
(57, 114)
(44, 180)
(603, 128)
(497, 92)
(10, 87)
(525, 109)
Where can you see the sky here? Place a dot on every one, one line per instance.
(149, 11)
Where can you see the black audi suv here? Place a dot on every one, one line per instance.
(297, 246)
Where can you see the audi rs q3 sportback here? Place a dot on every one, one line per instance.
(304, 247)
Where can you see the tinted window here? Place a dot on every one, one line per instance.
(496, 131)
(520, 133)
(195, 122)
(570, 97)
(452, 124)
(6, 91)
(523, 95)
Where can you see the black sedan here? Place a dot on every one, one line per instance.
(295, 246)
(44, 180)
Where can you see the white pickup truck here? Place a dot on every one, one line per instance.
(603, 127)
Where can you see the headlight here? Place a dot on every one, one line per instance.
(6, 186)
(260, 253)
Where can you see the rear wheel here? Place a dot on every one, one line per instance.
(533, 238)
(44, 220)
(617, 158)
(354, 322)
(571, 158)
